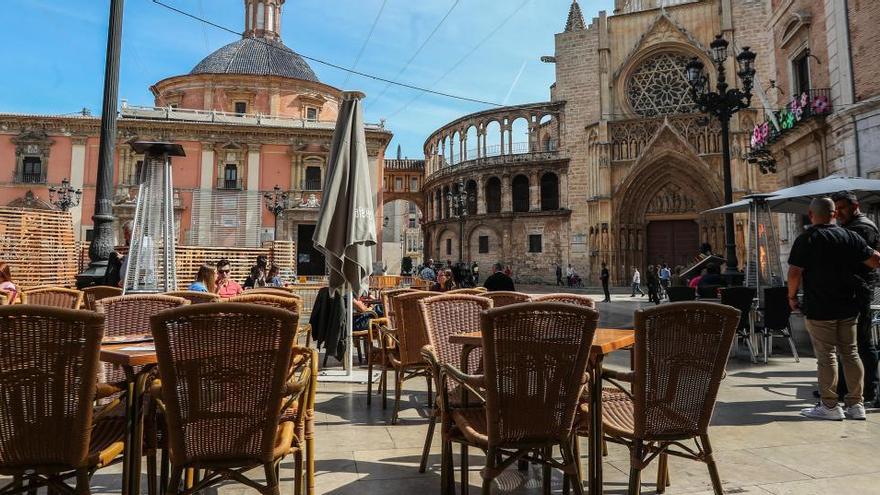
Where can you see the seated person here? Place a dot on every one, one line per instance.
(206, 279)
(6, 283)
(499, 280)
(445, 282)
(712, 276)
(226, 287)
(273, 279)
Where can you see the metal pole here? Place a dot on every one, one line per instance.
(102, 242)
(729, 235)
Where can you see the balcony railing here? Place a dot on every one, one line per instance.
(313, 185)
(229, 184)
(812, 103)
(518, 152)
(30, 178)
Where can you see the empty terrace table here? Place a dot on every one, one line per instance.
(605, 341)
(131, 356)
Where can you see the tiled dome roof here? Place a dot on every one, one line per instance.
(258, 56)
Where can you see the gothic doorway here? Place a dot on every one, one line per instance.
(674, 242)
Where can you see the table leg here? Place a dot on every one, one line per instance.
(134, 445)
(595, 445)
(129, 430)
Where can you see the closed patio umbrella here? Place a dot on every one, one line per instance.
(346, 227)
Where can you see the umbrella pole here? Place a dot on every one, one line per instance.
(349, 324)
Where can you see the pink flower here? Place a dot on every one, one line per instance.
(820, 105)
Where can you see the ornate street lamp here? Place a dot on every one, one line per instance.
(458, 206)
(722, 104)
(276, 202)
(65, 197)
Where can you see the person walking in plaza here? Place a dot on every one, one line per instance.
(653, 284)
(427, 272)
(226, 287)
(206, 279)
(850, 217)
(605, 277)
(636, 283)
(665, 276)
(499, 280)
(569, 272)
(559, 276)
(827, 258)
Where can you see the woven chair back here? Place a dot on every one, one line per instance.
(387, 298)
(776, 309)
(411, 332)
(741, 298)
(681, 293)
(535, 357)
(130, 315)
(505, 298)
(289, 301)
(98, 292)
(223, 368)
(56, 297)
(195, 297)
(48, 369)
(453, 314)
(4, 298)
(680, 353)
(469, 290)
(563, 297)
(278, 291)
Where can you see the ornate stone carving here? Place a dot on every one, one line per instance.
(658, 86)
(671, 200)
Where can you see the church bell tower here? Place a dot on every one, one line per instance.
(262, 19)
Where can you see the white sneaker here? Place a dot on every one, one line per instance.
(856, 411)
(820, 411)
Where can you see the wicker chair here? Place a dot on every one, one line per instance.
(236, 422)
(130, 315)
(409, 336)
(57, 297)
(50, 431)
(279, 291)
(5, 298)
(445, 316)
(678, 293)
(98, 292)
(564, 297)
(288, 301)
(532, 391)
(681, 350)
(469, 290)
(504, 298)
(195, 297)
(378, 346)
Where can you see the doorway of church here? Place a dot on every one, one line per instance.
(309, 261)
(674, 242)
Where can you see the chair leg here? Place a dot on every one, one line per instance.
(151, 472)
(383, 387)
(444, 468)
(298, 472)
(465, 480)
(174, 480)
(635, 469)
(710, 462)
(430, 391)
(163, 471)
(547, 472)
(490, 467)
(369, 379)
(398, 386)
(794, 351)
(426, 451)
(571, 457)
(360, 352)
(662, 473)
(271, 480)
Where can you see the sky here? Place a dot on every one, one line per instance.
(53, 52)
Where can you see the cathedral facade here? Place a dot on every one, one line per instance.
(618, 165)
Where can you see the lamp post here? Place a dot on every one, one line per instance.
(722, 104)
(276, 202)
(458, 205)
(65, 197)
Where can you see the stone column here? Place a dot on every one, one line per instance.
(506, 194)
(77, 174)
(534, 191)
(481, 195)
(563, 190)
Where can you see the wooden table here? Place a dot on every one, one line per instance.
(605, 341)
(124, 355)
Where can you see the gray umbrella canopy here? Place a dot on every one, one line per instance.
(796, 199)
(346, 227)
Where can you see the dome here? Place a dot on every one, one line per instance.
(257, 56)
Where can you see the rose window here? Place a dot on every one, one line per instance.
(659, 87)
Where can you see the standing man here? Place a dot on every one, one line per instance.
(827, 258)
(605, 277)
(850, 217)
(665, 276)
(636, 282)
(558, 275)
(498, 280)
(427, 272)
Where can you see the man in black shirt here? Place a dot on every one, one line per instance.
(850, 217)
(605, 277)
(826, 258)
(498, 280)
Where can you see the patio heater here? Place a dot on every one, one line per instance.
(150, 267)
(763, 268)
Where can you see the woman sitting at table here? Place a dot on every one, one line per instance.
(273, 279)
(206, 279)
(445, 281)
(6, 283)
